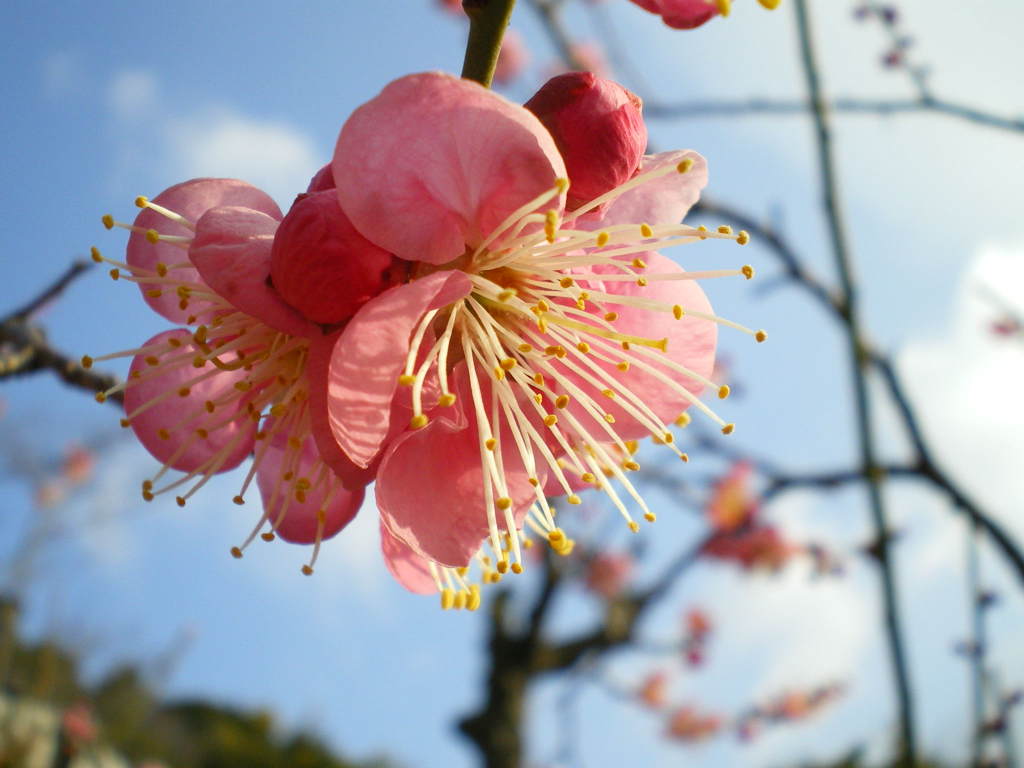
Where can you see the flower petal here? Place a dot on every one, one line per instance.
(369, 356)
(436, 162)
(169, 429)
(662, 201)
(231, 251)
(191, 199)
(409, 569)
(292, 512)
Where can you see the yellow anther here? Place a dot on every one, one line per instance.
(307, 570)
(238, 500)
(723, 391)
(141, 201)
(534, 482)
(583, 347)
(473, 601)
(147, 495)
(550, 225)
(760, 336)
(525, 348)
(668, 437)
(163, 434)
(406, 380)
(115, 274)
(743, 237)
(538, 399)
(725, 229)
(152, 236)
(634, 526)
(94, 252)
(147, 485)
(639, 263)
(611, 317)
(678, 312)
(517, 568)
(538, 378)
(460, 599)
(542, 306)
(236, 553)
(556, 536)
(684, 457)
(506, 294)
(550, 420)
(566, 549)
(108, 221)
(622, 365)
(728, 429)
(608, 392)
(724, 6)
(650, 517)
(180, 501)
(561, 401)
(572, 498)
(418, 421)
(184, 391)
(602, 239)
(508, 363)
(499, 373)
(154, 293)
(632, 446)
(493, 577)
(642, 282)
(566, 282)
(447, 399)
(646, 231)
(748, 271)
(561, 184)
(609, 418)
(268, 536)
(86, 361)
(125, 423)
(631, 465)
(685, 165)
(587, 477)
(447, 598)
(490, 443)
(683, 419)
(243, 386)
(202, 433)
(210, 406)
(771, 5)
(502, 566)
(702, 228)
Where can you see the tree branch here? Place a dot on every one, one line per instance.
(487, 22)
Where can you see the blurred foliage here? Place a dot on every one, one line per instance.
(134, 722)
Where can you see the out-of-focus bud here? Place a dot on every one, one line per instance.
(512, 59)
(598, 127)
(653, 691)
(607, 574)
(322, 266)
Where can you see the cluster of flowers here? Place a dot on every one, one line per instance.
(740, 535)
(688, 723)
(466, 306)
(690, 14)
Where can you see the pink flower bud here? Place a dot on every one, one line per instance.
(321, 265)
(598, 127)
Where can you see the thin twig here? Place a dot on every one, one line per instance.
(487, 22)
(858, 369)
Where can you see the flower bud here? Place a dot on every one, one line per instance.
(322, 266)
(598, 127)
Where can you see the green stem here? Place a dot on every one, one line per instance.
(487, 22)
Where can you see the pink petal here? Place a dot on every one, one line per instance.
(318, 362)
(430, 491)
(191, 199)
(370, 354)
(231, 250)
(300, 524)
(434, 163)
(691, 343)
(182, 416)
(409, 569)
(663, 201)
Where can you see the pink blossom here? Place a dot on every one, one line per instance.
(688, 724)
(598, 128)
(452, 6)
(653, 691)
(757, 547)
(528, 339)
(513, 58)
(607, 573)
(732, 505)
(235, 384)
(689, 14)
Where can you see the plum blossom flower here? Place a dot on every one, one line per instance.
(687, 724)
(530, 343)
(236, 381)
(690, 14)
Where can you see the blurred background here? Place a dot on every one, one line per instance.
(128, 631)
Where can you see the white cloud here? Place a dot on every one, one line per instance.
(132, 94)
(274, 156)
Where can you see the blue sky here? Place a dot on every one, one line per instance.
(105, 101)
